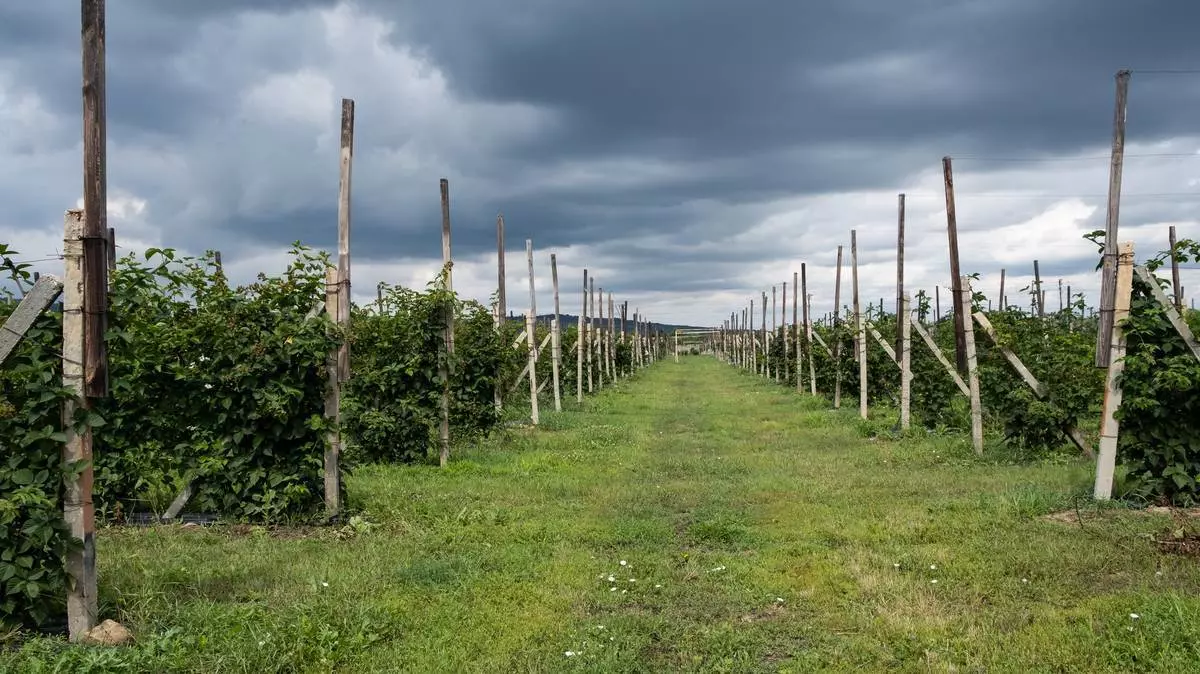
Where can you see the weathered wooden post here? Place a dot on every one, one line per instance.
(961, 322)
(964, 307)
(78, 509)
(581, 340)
(501, 299)
(837, 346)
(556, 353)
(444, 367)
(531, 337)
(1110, 427)
(1108, 278)
(905, 320)
(859, 329)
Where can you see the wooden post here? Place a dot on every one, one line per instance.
(501, 298)
(612, 342)
(676, 345)
(338, 308)
(961, 322)
(753, 342)
(783, 332)
(964, 307)
(112, 251)
(1001, 290)
(1108, 277)
(899, 269)
(601, 356)
(937, 304)
(837, 346)
(774, 326)
(78, 510)
(556, 331)
(859, 330)
(444, 368)
(333, 407)
(796, 326)
(531, 339)
(905, 321)
(766, 364)
(95, 201)
(591, 342)
(1061, 305)
(581, 341)
(1176, 284)
(1106, 463)
(808, 331)
(1037, 290)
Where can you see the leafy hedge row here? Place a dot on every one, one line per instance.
(1159, 449)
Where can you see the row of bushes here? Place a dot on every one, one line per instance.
(1159, 448)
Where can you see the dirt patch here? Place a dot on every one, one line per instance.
(760, 614)
(1188, 545)
(1076, 516)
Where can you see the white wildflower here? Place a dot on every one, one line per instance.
(1134, 616)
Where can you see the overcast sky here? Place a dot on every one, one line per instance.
(691, 153)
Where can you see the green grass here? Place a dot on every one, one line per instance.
(760, 530)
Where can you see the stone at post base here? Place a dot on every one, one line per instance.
(108, 633)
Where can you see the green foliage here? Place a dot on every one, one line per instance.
(391, 409)
(220, 386)
(1160, 409)
(33, 536)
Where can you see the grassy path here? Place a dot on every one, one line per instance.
(695, 519)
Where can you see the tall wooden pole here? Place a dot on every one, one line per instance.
(766, 354)
(531, 338)
(783, 332)
(837, 346)
(556, 337)
(1112, 218)
(796, 327)
(581, 341)
(774, 326)
(501, 300)
(1039, 297)
(1001, 290)
(899, 269)
(591, 301)
(448, 334)
(960, 321)
(860, 329)
(337, 304)
(95, 200)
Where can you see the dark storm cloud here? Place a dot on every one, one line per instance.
(729, 106)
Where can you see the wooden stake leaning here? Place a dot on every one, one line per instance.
(78, 510)
(531, 340)
(1177, 322)
(964, 306)
(937, 352)
(1106, 463)
(556, 332)
(333, 405)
